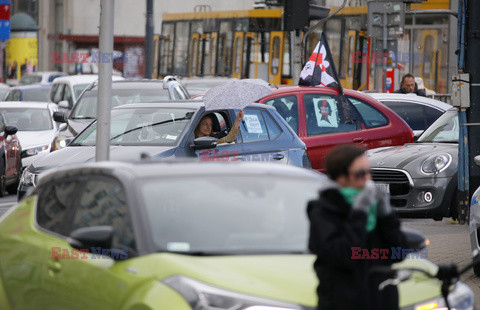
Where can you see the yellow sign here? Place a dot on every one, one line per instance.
(21, 56)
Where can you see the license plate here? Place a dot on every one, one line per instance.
(384, 186)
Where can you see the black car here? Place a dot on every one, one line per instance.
(123, 92)
(166, 130)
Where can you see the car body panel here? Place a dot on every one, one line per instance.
(396, 132)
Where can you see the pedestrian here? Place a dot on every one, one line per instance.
(408, 86)
(350, 217)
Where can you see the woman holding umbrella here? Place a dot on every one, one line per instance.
(204, 128)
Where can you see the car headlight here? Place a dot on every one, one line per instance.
(28, 178)
(60, 142)
(35, 150)
(202, 296)
(460, 298)
(436, 163)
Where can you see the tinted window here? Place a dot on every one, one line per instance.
(253, 126)
(58, 93)
(273, 129)
(53, 90)
(67, 95)
(103, 202)
(412, 114)
(324, 114)
(13, 95)
(287, 107)
(54, 202)
(372, 117)
(431, 115)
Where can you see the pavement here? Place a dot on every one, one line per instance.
(449, 243)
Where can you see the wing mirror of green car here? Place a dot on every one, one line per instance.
(414, 239)
(92, 237)
(204, 143)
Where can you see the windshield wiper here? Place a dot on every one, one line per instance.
(83, 117)
(151, 125)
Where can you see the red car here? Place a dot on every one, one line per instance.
(317, 116)
(11, 161)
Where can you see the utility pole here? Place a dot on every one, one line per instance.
(149, 40)
(102, 150)
(472, 66)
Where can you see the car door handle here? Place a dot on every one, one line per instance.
(278, 156)
(54, 266)
(358, 140)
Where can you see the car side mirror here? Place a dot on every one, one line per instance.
(477, 160)
(64, 104)
(59, 117)
(92, 237)
(414, 239)
(10, 130)
(204, 143)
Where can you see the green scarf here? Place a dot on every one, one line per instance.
(350, 193)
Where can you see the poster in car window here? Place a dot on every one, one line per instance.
(252, 123)
(327, 113)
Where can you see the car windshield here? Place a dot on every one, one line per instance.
(79, 88)
(35, 94)
(28, 119)
(86, 107)
(229, 214)
(141, 126)
(30, 79)
(445, 129)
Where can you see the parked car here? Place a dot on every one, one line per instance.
(66, 90)
(10, 158)
(422, 176)
(166, 130)
(38, 93)
(198, 86)
(178, 236)
(40, 77)
(35, 125)
(419, 112)
(123, 92)
(474, 227)
(322, 120)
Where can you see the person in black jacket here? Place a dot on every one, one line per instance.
(409, 86)
(352, 229)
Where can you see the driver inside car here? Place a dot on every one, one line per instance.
(205, 126)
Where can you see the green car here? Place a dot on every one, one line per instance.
(186, 235)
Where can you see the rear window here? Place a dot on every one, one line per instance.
(373, 118)
(417, 116)
(287, 107)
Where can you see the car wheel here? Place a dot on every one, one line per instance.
(12, 189)
(3, 179)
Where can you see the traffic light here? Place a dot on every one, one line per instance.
(297, 14)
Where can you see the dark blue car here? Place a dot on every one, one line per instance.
(166, 130)
(28, 93)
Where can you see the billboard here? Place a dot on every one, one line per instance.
(21, 54)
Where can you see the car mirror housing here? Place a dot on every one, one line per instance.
(414, 239)
(59, 117)
(92, 237)
(10, 130)
(64, 104)
(204, 143)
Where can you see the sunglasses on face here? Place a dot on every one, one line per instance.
(361, 174)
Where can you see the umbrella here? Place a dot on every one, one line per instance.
(236, 94)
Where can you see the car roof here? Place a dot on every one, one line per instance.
(411, 98)
(137, 83)
(190, 104)
(160, 168)
(82, 79)
(26, 104)
(33, 86)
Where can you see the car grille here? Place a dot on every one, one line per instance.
(399, 183)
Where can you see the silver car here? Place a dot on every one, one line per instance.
(422, 176)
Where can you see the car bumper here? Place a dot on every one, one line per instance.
(418, 197)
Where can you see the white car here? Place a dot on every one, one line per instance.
(36, 128)
(40, 77)
(419, 112)
(66, 90)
